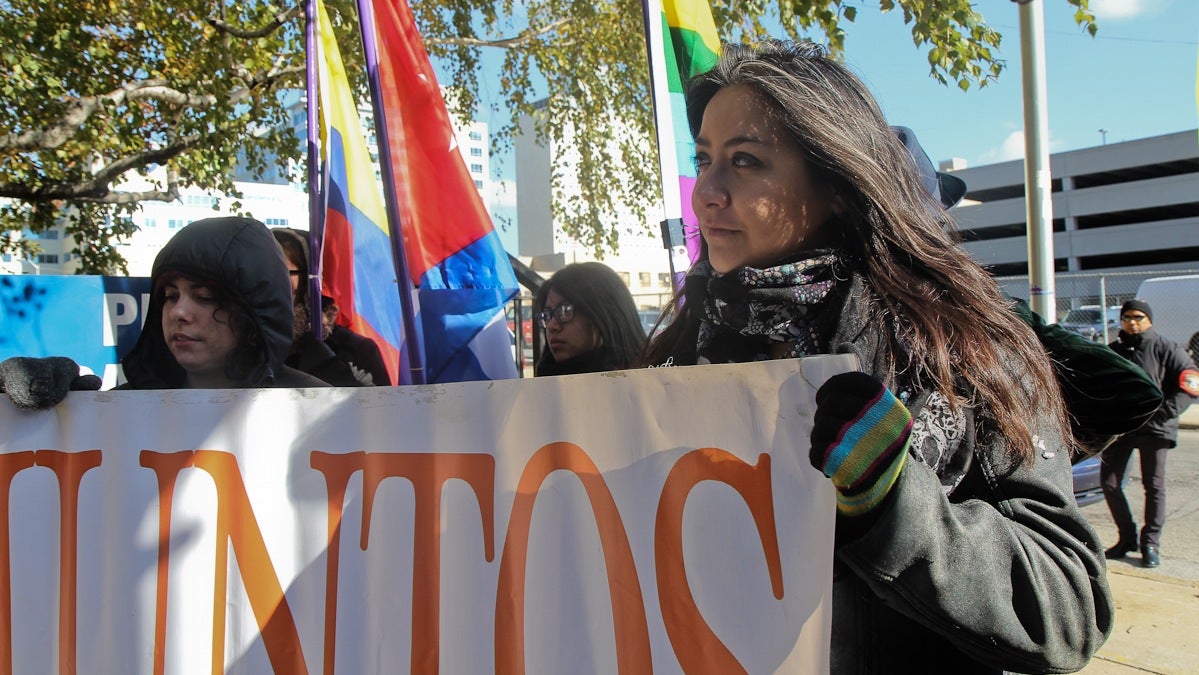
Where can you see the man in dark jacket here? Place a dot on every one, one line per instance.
(1167, 363)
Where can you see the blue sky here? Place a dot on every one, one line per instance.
(1135, 79)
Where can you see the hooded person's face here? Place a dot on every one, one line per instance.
(197, 332)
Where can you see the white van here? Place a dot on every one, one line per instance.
(1175, 304)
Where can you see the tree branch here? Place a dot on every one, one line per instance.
(262, 31)
(528, 35)
(97, 188)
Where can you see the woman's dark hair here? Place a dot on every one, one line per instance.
(599, 294)
(250, 346)
(951, 319)
(295, 250)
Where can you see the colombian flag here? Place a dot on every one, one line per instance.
(689, 46)
(454, 256)
(357, 269)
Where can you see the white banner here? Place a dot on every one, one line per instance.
(662, 520)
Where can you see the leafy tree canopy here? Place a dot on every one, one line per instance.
(96, 92)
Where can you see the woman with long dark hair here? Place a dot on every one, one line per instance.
(959, 547)
(590, 321)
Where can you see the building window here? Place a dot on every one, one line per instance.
(476, 136)
(476, 168)
(200, 200)
(479, 184)
(5, 257)
(476, 152)
(66, 257)
(47, 258)
(149, 222)
(643, 278)
(664, 279)
(624, 276)
(276, 222)
(175, 223)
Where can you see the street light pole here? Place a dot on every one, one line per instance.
(1103, 135)
(1038, 188)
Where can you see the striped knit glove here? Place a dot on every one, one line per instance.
(859, 440)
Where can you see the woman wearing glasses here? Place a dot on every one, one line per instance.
(590, 322)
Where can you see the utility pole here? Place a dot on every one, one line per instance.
(1103, 135)
(1038, 188)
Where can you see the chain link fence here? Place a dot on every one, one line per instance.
(1082, 297)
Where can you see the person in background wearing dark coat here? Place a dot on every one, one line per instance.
(344, 358)
(590, 321)
(1167, 363)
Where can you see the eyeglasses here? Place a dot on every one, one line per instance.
(564, 313)
(1133, 318)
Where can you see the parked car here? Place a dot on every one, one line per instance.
(649, 317)
(1086, 481)
(1087, 321)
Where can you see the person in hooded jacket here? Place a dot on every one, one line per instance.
(220, 313)
(344, 358)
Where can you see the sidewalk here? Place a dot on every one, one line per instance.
(1157, 625)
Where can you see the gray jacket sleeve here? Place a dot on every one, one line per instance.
(1006, 568)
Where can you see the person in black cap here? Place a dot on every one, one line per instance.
(1167, 363)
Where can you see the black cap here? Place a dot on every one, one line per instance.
(1139, 304)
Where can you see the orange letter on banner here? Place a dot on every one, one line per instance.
(428, 472)
(10, 465)
(628, 610)
(337, 469)
(166, 466)
(696, 646)
(69, 467)
(236, 525)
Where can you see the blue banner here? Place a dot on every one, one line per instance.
(94, 320)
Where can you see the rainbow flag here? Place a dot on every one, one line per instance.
(453, 254)
(684, 44)
(356, 262)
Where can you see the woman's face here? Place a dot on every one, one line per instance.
(576, 337)
(198, 335)
(754, 196)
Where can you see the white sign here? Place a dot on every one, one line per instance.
(663, 519)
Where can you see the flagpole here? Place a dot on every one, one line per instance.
(366, 24)
(316, 211)
(655, 49)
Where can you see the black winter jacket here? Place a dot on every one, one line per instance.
(241, 256)
(1164, 361)
(974, 565)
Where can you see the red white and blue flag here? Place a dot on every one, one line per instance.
(453, 326)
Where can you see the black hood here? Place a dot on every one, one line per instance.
(242, 257)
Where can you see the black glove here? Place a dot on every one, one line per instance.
(859, 440)
(38, 384)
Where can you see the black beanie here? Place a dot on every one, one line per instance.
(1137, 303)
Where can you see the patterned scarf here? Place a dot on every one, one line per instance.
(745, 311)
